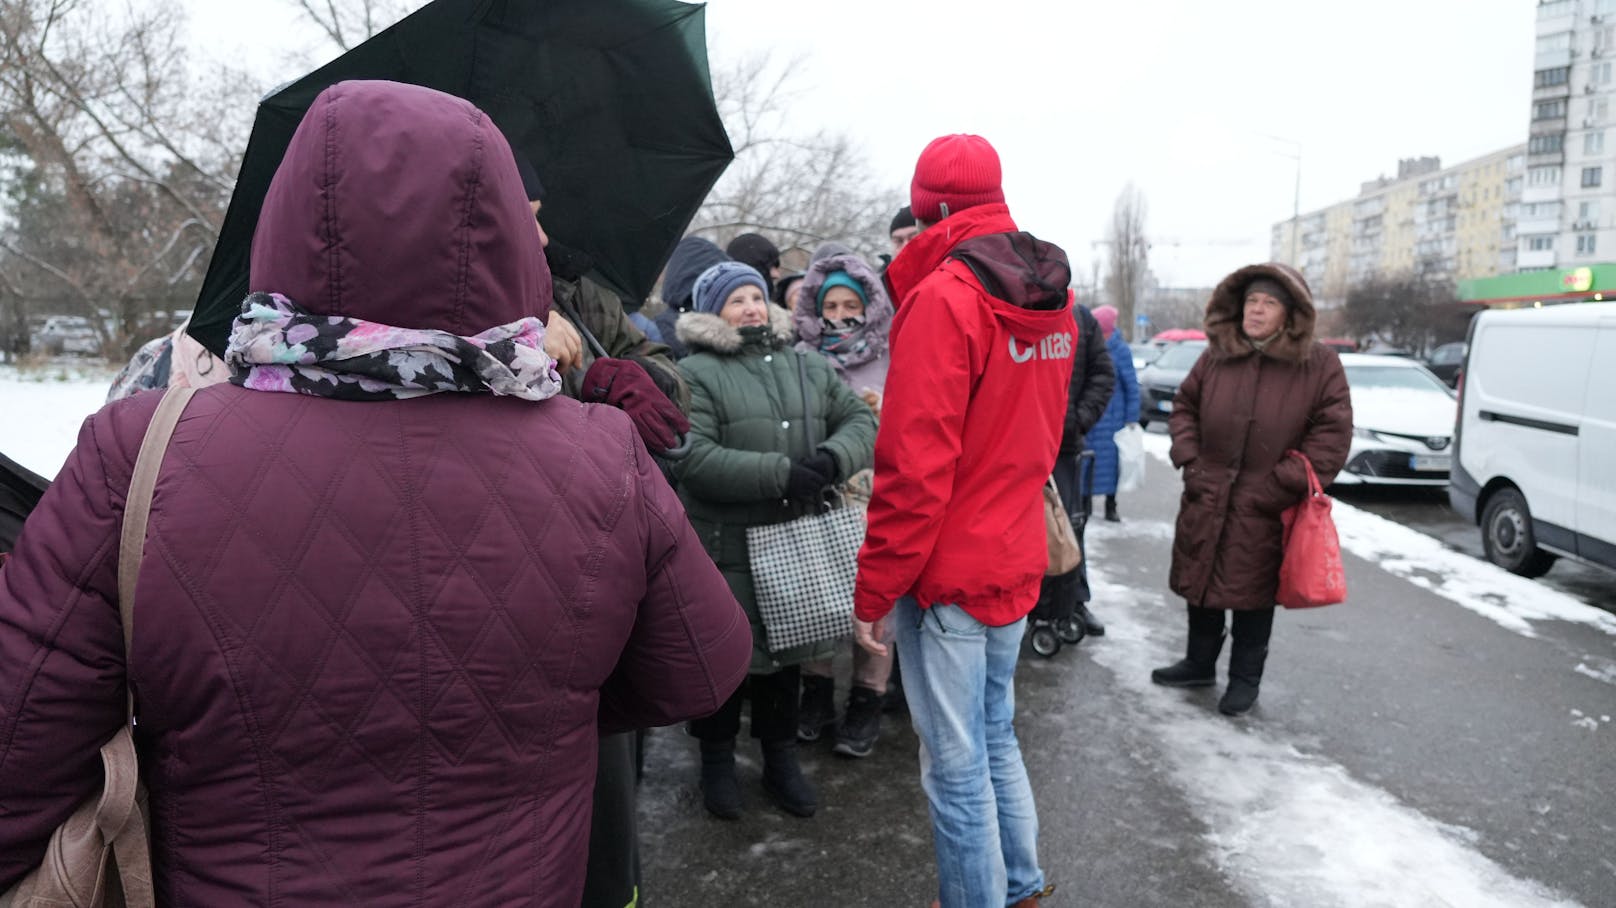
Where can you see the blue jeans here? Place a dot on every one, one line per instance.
(959, 676)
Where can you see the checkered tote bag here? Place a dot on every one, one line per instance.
(803, 569)
(802, 574)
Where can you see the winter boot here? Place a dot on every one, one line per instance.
(1198, 668)
(1247, 655)
(1091, 625)
(720, 792)
(818, 710)
(783, 779)
(1111, 509)
(861, 723)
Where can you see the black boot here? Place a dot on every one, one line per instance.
(1198, 668)
(818, 710)
(1247, 655)
(784, 781)
(861, 723)
(720, 792)
(1091, 625)
(1111, 509)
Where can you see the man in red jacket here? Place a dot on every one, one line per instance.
(976, 397)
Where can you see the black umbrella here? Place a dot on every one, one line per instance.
(20, 491)
(610, 99)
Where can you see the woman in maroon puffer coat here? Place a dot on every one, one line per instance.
(1262, 388)
(394, 588)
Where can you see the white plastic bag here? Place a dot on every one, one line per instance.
(1130, 441)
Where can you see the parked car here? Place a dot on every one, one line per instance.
(1340, 344)
(68, 334)
(1402, 423)
(1144, 354)
(1444, 362)
(1535, 455)
(1160, 380)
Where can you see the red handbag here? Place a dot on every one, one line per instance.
(1311, 573)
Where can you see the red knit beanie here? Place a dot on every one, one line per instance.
(960, 171)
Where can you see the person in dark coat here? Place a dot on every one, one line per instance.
(751, 464)
(690, 258)
(1122, 411)
(1262, 388)
(395, 586)
(754, 249)
(1066, 597)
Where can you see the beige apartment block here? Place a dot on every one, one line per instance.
(1454, 223)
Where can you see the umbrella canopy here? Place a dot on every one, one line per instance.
(1179, 334)
(20, 491)
(611, 100)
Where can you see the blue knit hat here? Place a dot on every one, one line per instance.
(715, 285)
(840, 279)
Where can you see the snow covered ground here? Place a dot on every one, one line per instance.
(41, 408)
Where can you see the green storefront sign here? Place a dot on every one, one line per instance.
(1590, 282)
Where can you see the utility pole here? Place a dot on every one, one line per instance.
(1296, 197)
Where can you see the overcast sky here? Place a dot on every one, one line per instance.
(1080, 98)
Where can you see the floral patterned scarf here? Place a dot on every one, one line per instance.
(277, 346)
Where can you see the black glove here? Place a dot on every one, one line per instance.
(811, 475)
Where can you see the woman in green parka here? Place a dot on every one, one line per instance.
(750, 464)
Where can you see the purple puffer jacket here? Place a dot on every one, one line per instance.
(375, 642)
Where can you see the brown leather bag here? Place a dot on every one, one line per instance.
(101, 856)
(1064, 552)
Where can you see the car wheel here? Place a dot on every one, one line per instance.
(1506, 534)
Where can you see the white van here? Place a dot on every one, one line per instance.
(1535, 452)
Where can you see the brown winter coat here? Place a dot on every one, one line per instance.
(1236, 414)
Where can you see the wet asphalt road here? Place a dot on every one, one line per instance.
(1405, 751)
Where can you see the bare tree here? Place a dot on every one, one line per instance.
(349, 23)
(122, 160)
(800, 188)
(1402, 310)
(1129, 258)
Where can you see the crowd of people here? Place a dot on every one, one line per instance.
(448, 526)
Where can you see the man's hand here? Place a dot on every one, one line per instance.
(874, 635)
(563, 343)
(625, 385)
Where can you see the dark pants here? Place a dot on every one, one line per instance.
(1248, 627)
(613, 876)
(774, 709)
(1058, 596)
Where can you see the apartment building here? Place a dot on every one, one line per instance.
(1455, 223)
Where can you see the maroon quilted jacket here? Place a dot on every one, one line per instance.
(375, 642)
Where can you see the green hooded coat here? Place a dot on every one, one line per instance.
(746, 427)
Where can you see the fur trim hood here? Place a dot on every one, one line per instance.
(705, 333)
(877, 310)
(1224, 337)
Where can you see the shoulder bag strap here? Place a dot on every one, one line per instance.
(807, 409)
(137, 508)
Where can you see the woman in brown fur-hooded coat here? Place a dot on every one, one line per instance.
(1244, 405)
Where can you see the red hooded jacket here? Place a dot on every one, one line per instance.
(975, 400)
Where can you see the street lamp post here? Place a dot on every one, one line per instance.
(1296, 198)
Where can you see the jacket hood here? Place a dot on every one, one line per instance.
(401, 205)
(1223, 315)
(701, 331)
(690, 258)
(1019, 269)
(877, 309)
(927, 251)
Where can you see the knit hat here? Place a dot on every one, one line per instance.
(715, 285)
(1107, 317)
(840, 279)
(904, 218)
(754, 249)
(959, 171)
(1271, 287)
